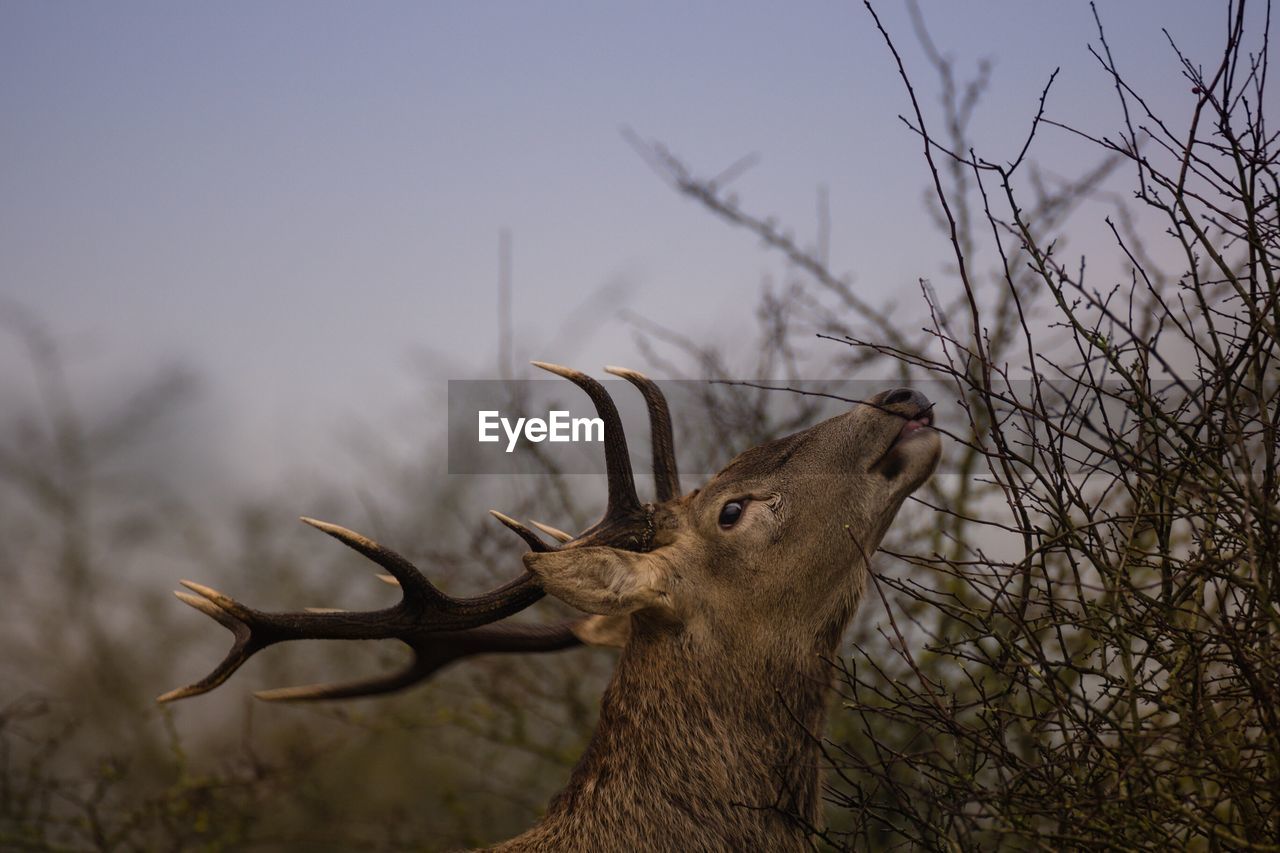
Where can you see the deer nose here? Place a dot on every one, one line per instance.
(904, 395)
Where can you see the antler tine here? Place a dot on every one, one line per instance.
(530, 538)
(666, 477)
(413, 582)
(375, 686)
(432, 656)
(419, 593)
(554, 532)
(623, 500)
(243, 648)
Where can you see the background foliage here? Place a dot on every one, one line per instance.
(1071, 641)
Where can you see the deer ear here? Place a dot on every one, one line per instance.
(604, 581)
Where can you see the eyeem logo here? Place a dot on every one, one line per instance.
(558, 426)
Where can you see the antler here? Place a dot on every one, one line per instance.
(436, 652)
(624, 507)
(439, 628)
(423, 611)
(666, 477)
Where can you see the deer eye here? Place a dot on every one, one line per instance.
(730, 513)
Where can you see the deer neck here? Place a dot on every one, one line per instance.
(698, 748)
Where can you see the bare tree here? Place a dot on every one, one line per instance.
(1083, 653)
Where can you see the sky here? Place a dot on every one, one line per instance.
(301, 201)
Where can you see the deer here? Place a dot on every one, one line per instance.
(729, 603)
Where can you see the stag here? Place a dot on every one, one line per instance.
(728, 601)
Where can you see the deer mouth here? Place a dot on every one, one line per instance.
(892, 462)
(922, 420)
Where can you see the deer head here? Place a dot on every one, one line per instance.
(718, 595)
(772, 550)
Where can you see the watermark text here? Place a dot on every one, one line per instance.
(557, 427)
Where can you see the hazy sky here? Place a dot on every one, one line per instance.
(302, 200)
